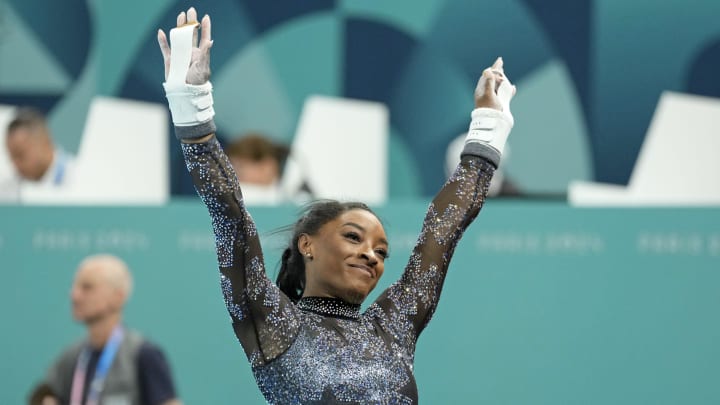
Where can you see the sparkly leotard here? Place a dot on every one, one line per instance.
(324, 350)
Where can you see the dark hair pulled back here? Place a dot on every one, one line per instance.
(291, 278)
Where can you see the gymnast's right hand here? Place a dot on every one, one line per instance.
(187, 73)
(199, 68)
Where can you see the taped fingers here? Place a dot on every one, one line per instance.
(165, 50)
(490, 81)
(192, 19)
(498, 64)
(191, 15)
(205, 33)
(164, 46)
(187, 86)
(505, 92)
(180, 54)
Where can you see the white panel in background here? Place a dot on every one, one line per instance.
(598, 194)
(341, 150)
(678, 163)
(122, 159)
(680, 153)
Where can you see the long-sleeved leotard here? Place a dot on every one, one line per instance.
(324, 350)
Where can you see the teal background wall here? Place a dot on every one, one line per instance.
(544, 304)
(589, 72)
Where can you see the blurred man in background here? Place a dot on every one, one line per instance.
(259, 163)
(113, 364)
(256, 159)
(37, 161)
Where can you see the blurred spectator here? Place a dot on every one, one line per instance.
(256, 159)
(259, 163)
(37, 161)
(113, 364)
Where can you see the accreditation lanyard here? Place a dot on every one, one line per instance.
(101, 370)
(60, 168)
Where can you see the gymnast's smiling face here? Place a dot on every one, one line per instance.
(346, 257)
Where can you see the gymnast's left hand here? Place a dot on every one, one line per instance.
(494, 89)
